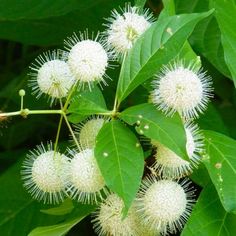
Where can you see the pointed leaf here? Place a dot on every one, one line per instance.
(88, 103)
(121, 160)
(62, 228)
(209, 217)
(155, 125)
(157, 46)
(220, 162)
(65, 208)
(225, 15)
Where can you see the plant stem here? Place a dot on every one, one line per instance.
(24, 112)
(58, 133)
(71, 131)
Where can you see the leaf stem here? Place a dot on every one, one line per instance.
(71, 131)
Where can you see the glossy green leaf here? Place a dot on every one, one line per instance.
(186, 53)
(157, 46)
(65, 208)
(62, 228)
(121, 160)
(155, 125)
(220, 162)
(209, 217)
(225, 15)
(168, 10)
(88, 103)
(206, 40)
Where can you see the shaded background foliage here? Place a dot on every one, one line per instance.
(30, 27)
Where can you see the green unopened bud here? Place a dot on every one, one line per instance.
(22, 93)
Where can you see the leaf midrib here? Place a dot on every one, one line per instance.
(118, 158)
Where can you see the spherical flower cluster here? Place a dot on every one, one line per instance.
(51, 75)
(169, 164)
(87, 59)
(164, 205)
(87, 132)
(86, 180)
(45, 174)
(125, 28)
(182, 89)
(109, 220)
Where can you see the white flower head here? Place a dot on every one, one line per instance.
(109, 220)
(124, 28)
(164, 204)
(87, 184)
(51, 75)
(182, 89)
(86, 132)
(170, 165)
(45, 174)
(88, 59)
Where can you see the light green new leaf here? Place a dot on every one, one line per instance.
(88, 103)
(157, 46)
(225, 15)
(62, 228)
(121, 160)
(220, 162)
(155, 125)
(186, 53)
(65, 208)
(209, 218)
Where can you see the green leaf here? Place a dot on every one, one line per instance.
(186, 54)
(34, 9)
(210, 118)
(168, 10)
(53, 30)
(19, 213)
(225, 15)
(206, 40)
(65, 208)
(209, 217)
(155, 125)
(220, 162)
(88, 103)
(62, 228)
(140, 3)
(121, 160)
(157, 46)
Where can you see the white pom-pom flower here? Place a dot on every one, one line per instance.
(51, 75)
(86, 132)
(182, 89)
(125, 28)
(87, 184)
(170, 165)
(109, 220)
(45, 174)
(88, 59)
(164, 204)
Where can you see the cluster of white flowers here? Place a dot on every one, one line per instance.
(161, 207)
(163, 204)
(50, 176)
(85, 59)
